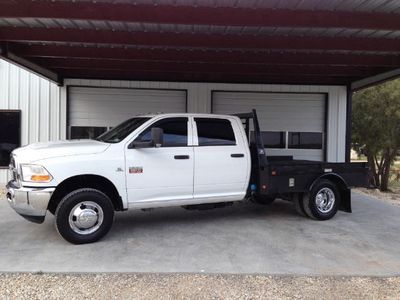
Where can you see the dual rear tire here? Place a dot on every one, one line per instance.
(320, 203)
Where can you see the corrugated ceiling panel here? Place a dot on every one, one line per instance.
(380, 33)
(393, 35)
(392, 6)
(389, 6)
(371, 5)
(66, 23)
(12, 22)
(234, 30)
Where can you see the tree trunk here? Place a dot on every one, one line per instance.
(372, 166)
(385, 174)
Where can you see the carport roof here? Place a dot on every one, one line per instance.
(249, 41)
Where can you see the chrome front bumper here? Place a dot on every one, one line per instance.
(30, 203)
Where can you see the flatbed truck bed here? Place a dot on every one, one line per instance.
(311, 185)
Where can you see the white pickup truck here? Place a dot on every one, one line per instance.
(189, 160)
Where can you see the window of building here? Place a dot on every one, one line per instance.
(272, 139)
(86, 132)
(10, 134)
(215, 132)
(175, 132)
(305, 140)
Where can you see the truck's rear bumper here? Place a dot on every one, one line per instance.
(30, 203)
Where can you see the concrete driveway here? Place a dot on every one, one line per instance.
(244, 238)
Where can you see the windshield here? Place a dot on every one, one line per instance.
(118, 133)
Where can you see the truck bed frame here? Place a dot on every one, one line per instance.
(282, 176)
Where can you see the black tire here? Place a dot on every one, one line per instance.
(264, 200)
(327, 189)
(94, 207)
(298, 204)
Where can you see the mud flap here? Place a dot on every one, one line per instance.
(345, 203)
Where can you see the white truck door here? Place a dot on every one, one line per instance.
(161, 174)
(222, 160)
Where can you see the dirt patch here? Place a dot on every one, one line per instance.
(392, 197)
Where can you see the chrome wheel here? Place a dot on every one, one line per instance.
(325, 200)
(86, 217)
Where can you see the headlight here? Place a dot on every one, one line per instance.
(35, 173)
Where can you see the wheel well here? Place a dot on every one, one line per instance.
(336, 179)
(85, 181)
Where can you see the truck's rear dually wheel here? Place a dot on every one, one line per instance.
(84, 216)
(322, 202)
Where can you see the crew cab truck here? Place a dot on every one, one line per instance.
(196, 161)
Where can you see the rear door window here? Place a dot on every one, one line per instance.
(215, 132)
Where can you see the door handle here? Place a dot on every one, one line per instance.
(237, 155)
(181, 156)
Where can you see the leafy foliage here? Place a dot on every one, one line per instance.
(376, 128)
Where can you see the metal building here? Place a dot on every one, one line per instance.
(98, 63)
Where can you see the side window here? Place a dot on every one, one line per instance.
(215, 132)
(305, 140)
(175, 132)
(272, 139)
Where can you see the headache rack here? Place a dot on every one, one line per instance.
(255, 141)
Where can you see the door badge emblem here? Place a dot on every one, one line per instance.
(135, 170)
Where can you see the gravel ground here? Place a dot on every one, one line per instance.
(192, 286)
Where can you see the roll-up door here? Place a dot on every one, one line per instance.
(293, 124)
(93, 110)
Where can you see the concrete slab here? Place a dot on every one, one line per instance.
(244, 238)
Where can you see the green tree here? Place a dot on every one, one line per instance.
(376, 128)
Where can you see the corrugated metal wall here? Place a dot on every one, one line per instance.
(39, 102)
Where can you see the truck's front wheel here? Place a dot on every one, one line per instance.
(84, 216)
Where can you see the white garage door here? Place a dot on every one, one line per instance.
(91, 111)
(292, 124)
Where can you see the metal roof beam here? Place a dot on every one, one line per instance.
(117, 64)
(151, 54)
(374, 80)
(29, 65)
(202, 76)
(178, 14)
(17, 34)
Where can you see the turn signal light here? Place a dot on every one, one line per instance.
(41, 178)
